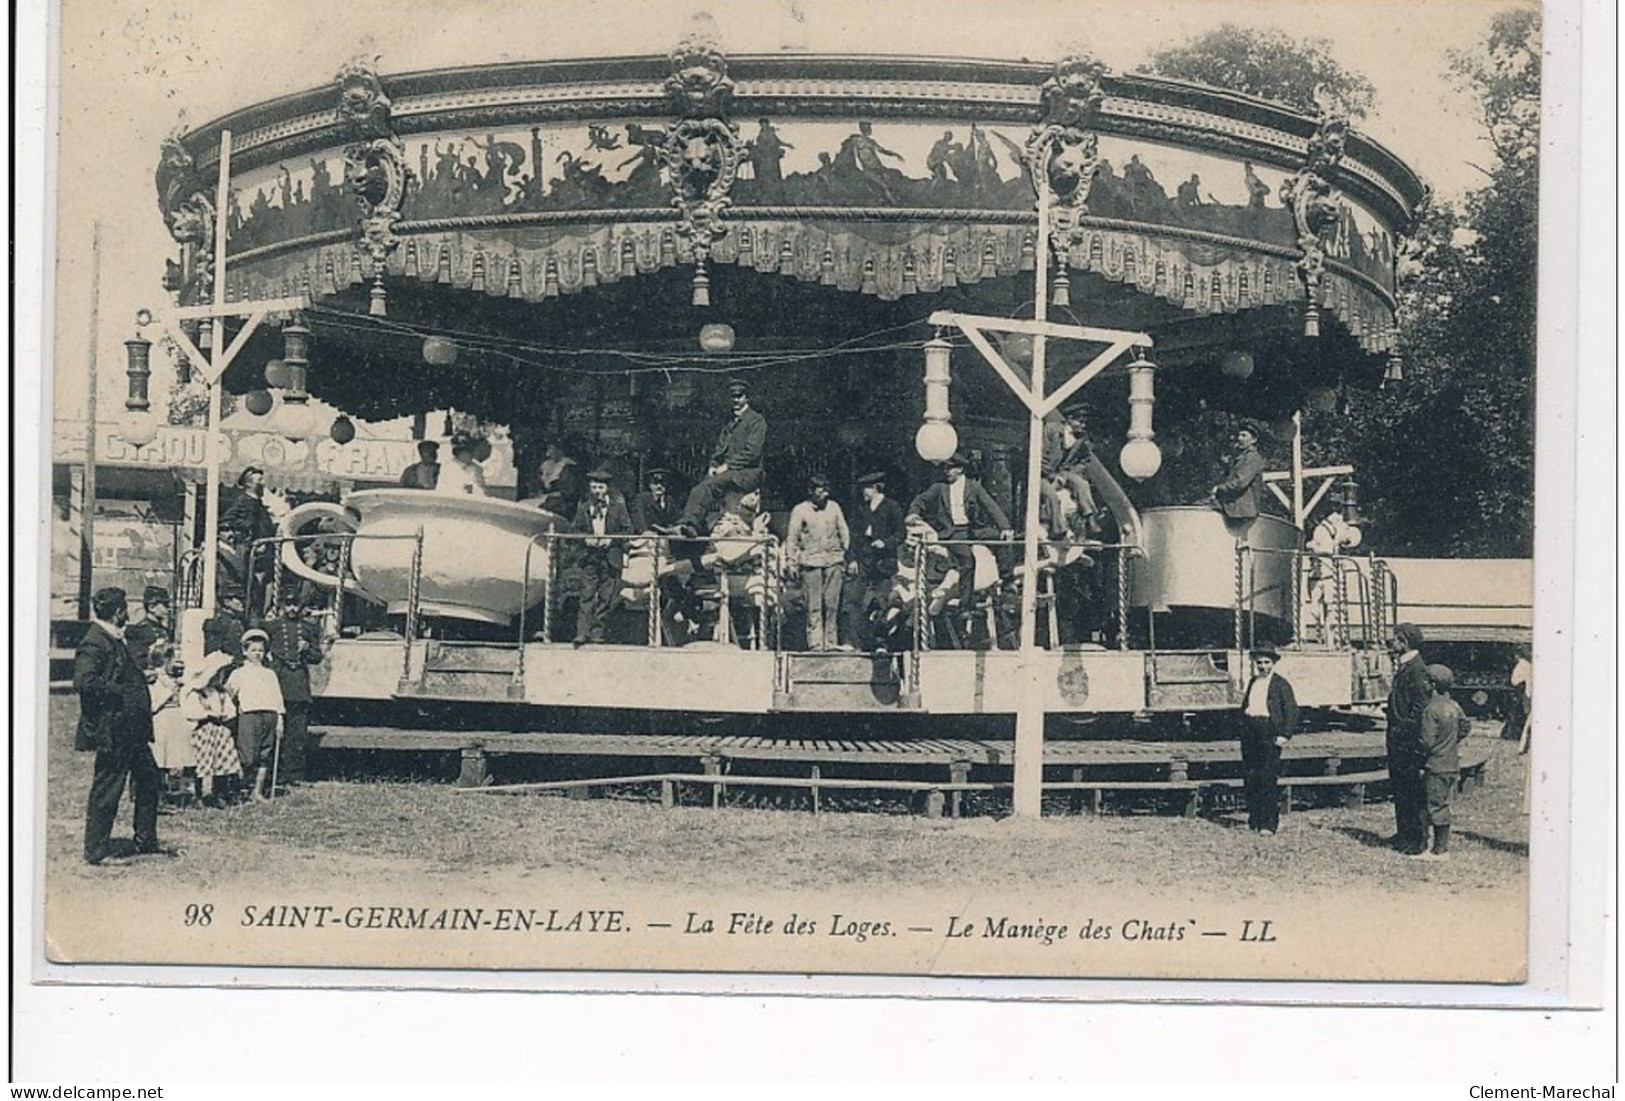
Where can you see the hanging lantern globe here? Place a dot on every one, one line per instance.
(296, 420)
(276, 373)
(138, 428)
(481, 450)
(439, 351)
(343, 429)
(936, 441)
(1237, 364)
(258, 402)
(1321, 399)
(717, 338)
(1140, 459)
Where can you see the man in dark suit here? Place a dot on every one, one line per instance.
(295, 645)
(656, 506)
(424, 473)
(736, 464)
(959, 508)
(877, 532)
(153, 626)
(1411, 693)
(115, 721)
(1241, 495)
(1269, 715)
(598, 516)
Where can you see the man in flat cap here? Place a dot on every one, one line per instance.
(115, 722)
(877, 532)
(1408, 698)
(816, 544)
(153, 626)
(736, 464)
(1241, 495)
(959, 508)
(1269, 715)
(599, 516)
(656, 507)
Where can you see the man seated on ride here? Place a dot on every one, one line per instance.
(958, 508)
(656, 506)
(1241, 496)
(736, 464)
(558, 481)
(743, 551)
(925, 574)
(424, 473)
(599, 516)
(463, 476)
(1065, 457)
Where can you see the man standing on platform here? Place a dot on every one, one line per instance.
(736, 464)
(959, 508)
(1269, 714)
(1241, 495)
(656, 506)
(599, 516)
(1412, 690)
(817, 543)
(877, 532)
(295, 645)
(115, 721)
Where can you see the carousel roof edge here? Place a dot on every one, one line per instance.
(763, 69)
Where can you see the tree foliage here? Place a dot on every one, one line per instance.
(1269, 64)
(1448, 453)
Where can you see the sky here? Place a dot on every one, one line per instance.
(132, 70)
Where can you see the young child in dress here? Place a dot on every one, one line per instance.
(171, 732)
(209, 708)
(1444, 725)
(260, 709)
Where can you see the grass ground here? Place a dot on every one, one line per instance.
(387, 833)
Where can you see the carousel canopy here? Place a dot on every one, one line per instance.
(587, 218)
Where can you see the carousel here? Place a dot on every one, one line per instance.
(904, 259)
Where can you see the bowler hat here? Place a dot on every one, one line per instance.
(1267, 651)
(873, 478)
(959, 459)
(599, 474)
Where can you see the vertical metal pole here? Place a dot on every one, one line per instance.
(1297, 472)
(87, 513)
(217, 351)
(1029, 763)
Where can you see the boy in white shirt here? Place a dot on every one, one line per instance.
(258, 693)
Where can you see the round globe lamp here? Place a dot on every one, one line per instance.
(936, 441)
(1140, 459)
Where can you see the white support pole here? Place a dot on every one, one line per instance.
(1029, 762)
(1297, 470)
(217, 352)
